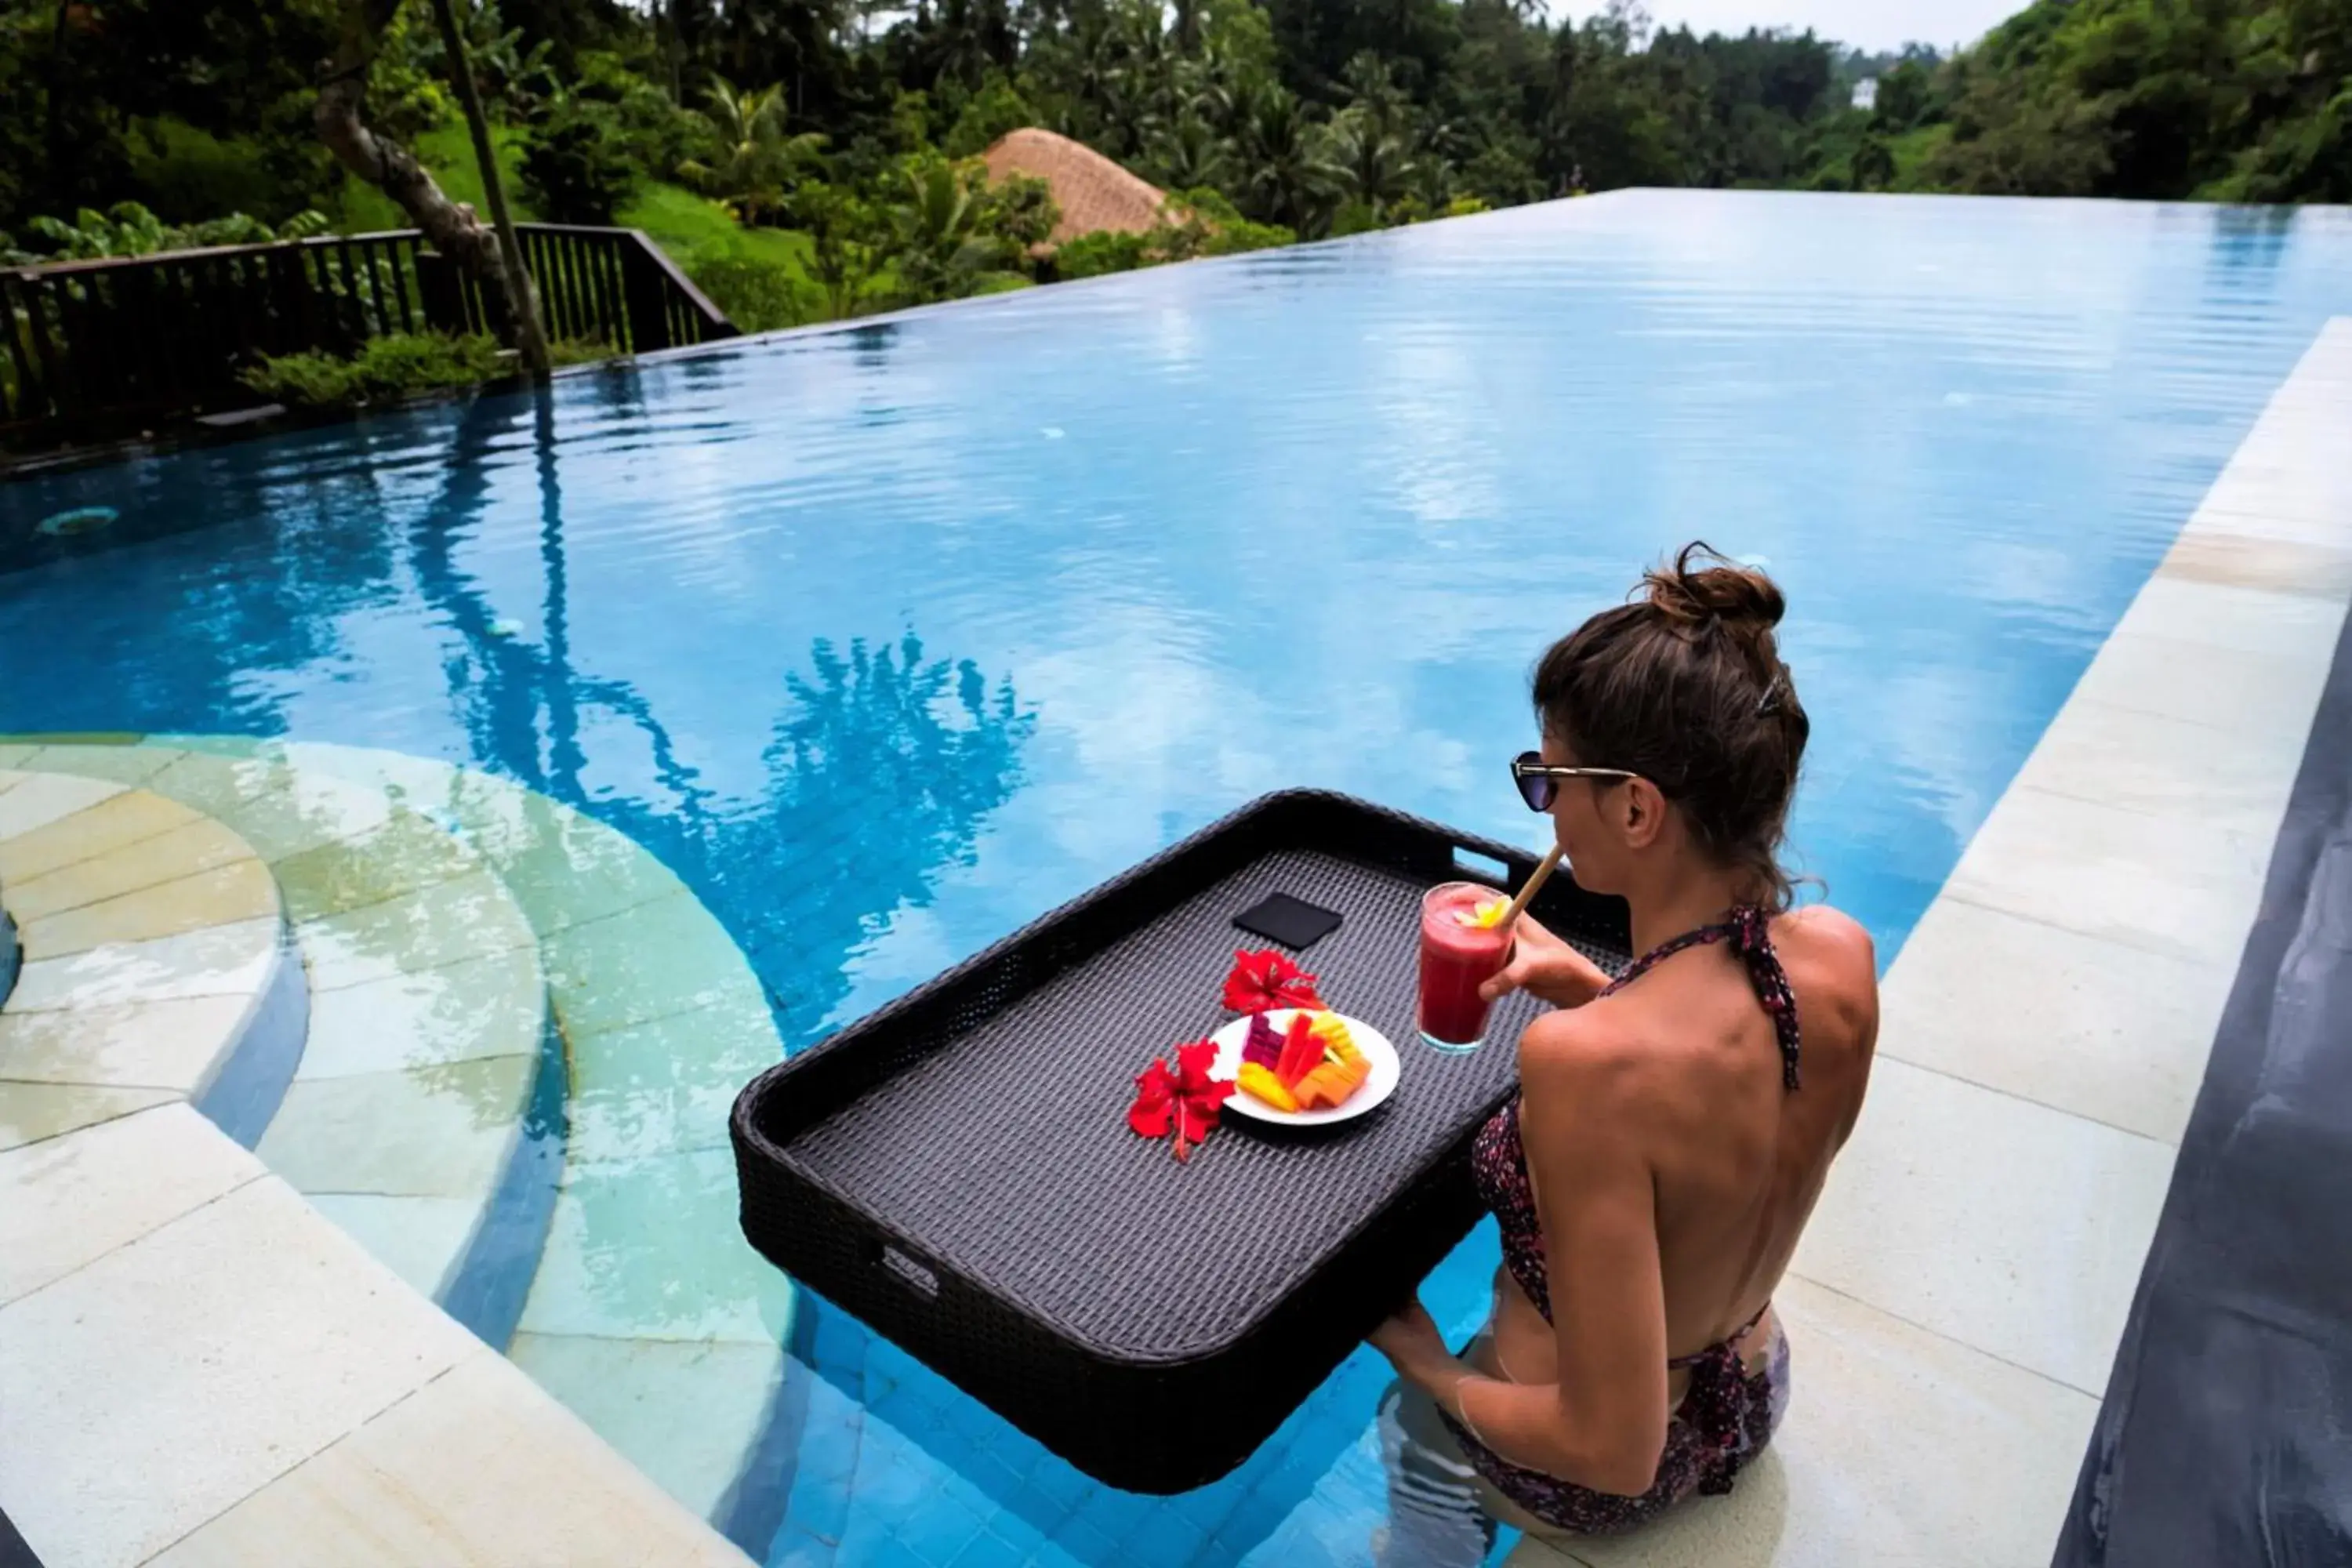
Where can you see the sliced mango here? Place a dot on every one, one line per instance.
(1260, 1084)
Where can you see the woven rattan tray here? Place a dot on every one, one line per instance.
(956, 1169)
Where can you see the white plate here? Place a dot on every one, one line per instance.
(1383, 1056)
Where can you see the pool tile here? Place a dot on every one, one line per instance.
(44, 798)
(1086, 1544)
(2244, 553)
(990, 1549)
(488, 1007)
(2001, 1223)
(1900, 1448)
(131, 764)
(234, 960)
(667, 1086)
(278, 812)
(663, 958)
(2235, 693)
(2244, 620)
(476, 1467)
(240, 890)
(685, 1411)
(32, 1112)
(443, 1130)
(2173, 886)
(417, 1238)
(155, 1388)
(126, 818)
(655, 1248)
(198, 844)
(938, 1528)
(2112, 1032)
(2162, 767)
(567, 870)
(405, 854)
(141, 1044)
(67, 1200)
(448, 922)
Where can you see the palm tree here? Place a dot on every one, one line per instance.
(942, 249)
(1290, 180)
(1375, 163)
(756, 161)
(1189, 155)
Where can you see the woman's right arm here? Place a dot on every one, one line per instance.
(1546, 968)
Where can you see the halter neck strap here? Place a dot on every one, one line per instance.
(1748, 930)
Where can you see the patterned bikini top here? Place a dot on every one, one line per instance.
(1499, 1161)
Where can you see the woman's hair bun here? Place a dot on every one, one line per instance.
(1702, 586)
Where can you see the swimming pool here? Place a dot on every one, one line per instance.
(889, 638)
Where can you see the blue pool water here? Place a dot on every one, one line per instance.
(890, 638)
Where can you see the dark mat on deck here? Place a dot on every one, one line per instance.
(13, 1552)
(2226, 1437)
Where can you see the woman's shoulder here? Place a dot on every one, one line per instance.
(1831, 960)
(1829, 929)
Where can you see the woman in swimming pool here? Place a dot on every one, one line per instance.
(1673, 1126)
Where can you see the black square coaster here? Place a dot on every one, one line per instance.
(1293, 922)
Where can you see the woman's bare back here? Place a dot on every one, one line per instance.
(1739, 1162)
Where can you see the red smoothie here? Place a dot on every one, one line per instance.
(1456, 958)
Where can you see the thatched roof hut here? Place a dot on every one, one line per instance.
(1094, 192)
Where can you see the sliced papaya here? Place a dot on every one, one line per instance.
(1326, 1085)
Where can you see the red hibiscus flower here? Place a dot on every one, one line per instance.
(1185, 1100)
(1263, 981)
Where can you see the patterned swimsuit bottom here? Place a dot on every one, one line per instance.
(1730, 1411)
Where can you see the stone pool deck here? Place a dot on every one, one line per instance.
(329, 1076)
(1957, 1302)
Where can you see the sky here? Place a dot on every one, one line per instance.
(1865, 24)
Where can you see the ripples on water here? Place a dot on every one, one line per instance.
(890, 638)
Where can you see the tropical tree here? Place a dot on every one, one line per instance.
(1373, 161)
(1189, 152)
(453, 231)
(1290, 180)
(943, 248)
(758, 162)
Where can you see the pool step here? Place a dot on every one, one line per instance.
(648, 1314)
(428, 1015)
(156, 964)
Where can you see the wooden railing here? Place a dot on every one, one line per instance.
(155, 335)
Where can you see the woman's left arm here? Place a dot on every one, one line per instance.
(1602, 1424)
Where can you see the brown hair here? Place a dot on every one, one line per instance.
(1684, 685)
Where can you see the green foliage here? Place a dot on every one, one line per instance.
(997, 108)
(846, 182)
(949, 237)
(127, 228)
(1106, 250)
(759, 295)
(756, 163)
(385, 369)
(576, 163)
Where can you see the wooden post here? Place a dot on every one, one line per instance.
(528, 339)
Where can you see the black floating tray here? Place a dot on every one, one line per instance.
(956, 1171)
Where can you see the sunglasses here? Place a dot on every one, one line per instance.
(1538, 781)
